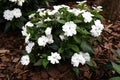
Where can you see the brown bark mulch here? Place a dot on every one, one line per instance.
(12, 45)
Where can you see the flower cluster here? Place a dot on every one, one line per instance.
(19, 2)
(10, 14)
(97, 28)
(80, 58)
(61, 33)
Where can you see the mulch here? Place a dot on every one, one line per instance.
(12, 45)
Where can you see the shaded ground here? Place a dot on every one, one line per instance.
(11, 46)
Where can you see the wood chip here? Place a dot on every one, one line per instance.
(2, 75)
(4, 51)
(15, 60)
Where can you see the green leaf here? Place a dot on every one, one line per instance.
(44, 55)
(91, 63)
(60, 50)
(45, 63)
(115, 78)
(77, 39)
(77, 21)
(73, 47)
(86, 47)
(99, 16)
(8, 25)
(82, 31)
(32, 57)
(99, 39)
(116, 67)
(54, 46)
(2, 20)
(39, 62)
(118, 52)
(76, 70)
(61, 21)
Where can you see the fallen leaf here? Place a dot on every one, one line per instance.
(4, 51)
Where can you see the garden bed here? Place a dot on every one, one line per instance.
(12, 45)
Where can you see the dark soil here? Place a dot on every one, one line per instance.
(12, 45)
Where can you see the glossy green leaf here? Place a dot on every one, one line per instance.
(91, 63)
(76, 70)
(45, 63)
(61, 21)
(77, 21)
(118, 52)
(116, 67)
(7, 27)
(77, 39)
(38, 63)
(82, 31)
(73, 47)
(60, 50)
(115, 78)
(86, 47)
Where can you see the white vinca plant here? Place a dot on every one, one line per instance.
(62, 33)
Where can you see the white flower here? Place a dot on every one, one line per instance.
(87, 16)
(62, 37)
(99, 24)
(48, 19)
(60, 6)
(69, 28)
(76, 59)
(25, 60)
(97, 28)
(29, 47)
(8, 15)
(81, 2)
(80, 57)
(75, 11)
(17, 12)
(24, 31)
(95, 32)
(42, 9)
(29, 24)
(20, 2)
(27, 38)
(54, 58)
(13, 0)
(98, 8)
(86, 56)
(48, 31)
(39, 23)
(56, 9)
(31, 15)
(52, 12)
(50, 39)
(42, 41)
(42, 13)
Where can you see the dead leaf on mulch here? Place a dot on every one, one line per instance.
(53, 72)
(2, 75)
(4, 51)
(107, 28)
